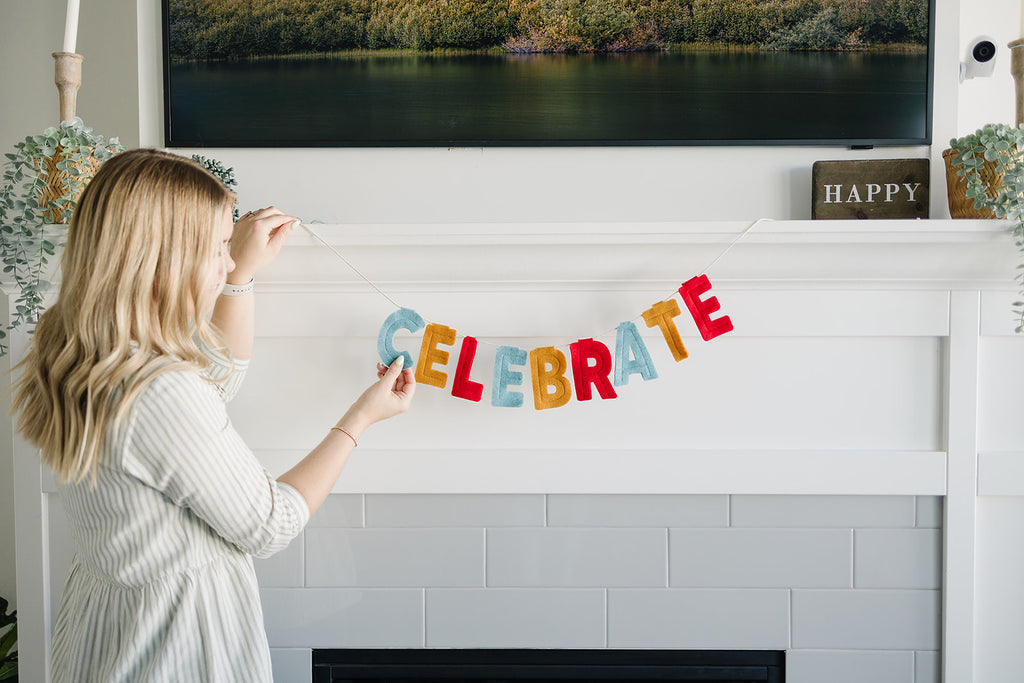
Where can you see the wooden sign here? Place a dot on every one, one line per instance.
(882, 188)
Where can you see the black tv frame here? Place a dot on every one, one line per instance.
(852, 142)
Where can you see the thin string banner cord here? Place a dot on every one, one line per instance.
(384, 294)
(348, 263)
(716, 260)
(737, 239)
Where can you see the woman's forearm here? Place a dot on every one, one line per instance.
(256, 239)
(235, 317)
(314, 476)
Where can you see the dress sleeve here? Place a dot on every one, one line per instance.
(225, 373)
(180, 441)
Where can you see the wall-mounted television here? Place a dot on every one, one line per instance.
(471, 73)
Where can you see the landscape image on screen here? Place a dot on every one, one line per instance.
(546, 72)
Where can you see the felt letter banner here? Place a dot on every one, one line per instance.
(662, 314)
(505, 376)
(462, 386)
(592, 363)
(584, 373)
(548, 369)
(429, 355)
(402, 319)
(702, 310)
(631, 355)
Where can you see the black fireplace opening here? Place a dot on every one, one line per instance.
(547, 666)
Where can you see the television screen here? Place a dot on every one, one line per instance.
(299, 73)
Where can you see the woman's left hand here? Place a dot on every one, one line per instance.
(256, 239)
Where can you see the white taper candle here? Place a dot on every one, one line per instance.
(71, 27)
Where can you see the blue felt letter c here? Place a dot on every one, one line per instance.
(402, 319)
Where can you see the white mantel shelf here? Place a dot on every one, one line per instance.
(759, 231)
(919, 254)
(762, 230)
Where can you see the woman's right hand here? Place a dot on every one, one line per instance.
(390, 395)
(256, 239)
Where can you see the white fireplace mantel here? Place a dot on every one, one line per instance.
(533, 284)
(868, 357)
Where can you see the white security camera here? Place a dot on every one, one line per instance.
(979, 60)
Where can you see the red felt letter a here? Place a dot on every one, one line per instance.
(584, 374)
(702, 310)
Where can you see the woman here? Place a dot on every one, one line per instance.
(124, 390)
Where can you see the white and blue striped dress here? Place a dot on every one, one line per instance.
(162, 586)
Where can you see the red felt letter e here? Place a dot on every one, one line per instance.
(702, 310)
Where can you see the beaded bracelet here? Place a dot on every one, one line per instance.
(356, 443)
(238, 290)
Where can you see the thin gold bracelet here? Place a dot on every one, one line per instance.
(346, 434)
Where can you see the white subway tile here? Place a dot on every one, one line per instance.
(866, 619)
(929, 512)
(822, 511)
(577, 557)
(638, 510)
(760, 558)
(542, 618)
(897, 558)
(431, 510)
(335, 617)
(927, 667)
(710, 618)
(283, 569)
(868, 666)
(293, 665)
(339, 510)
(394, 557)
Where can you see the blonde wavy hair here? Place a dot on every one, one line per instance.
(135, 272)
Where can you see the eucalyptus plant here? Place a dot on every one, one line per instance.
(63, 157)
(8, 643)
(225, 174)
(1001, 145)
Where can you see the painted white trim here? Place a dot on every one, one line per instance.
(915, 473)
(961, 503)
(31, 530)
(1001, 474)
(151, 77)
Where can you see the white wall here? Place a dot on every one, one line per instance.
(556, 184)
(398, 186)
(107, 38)
(987, 100)
(466, 185)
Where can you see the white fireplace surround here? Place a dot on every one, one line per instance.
(868, 359)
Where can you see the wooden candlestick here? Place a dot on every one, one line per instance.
(68, 77)
(1017, 69)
